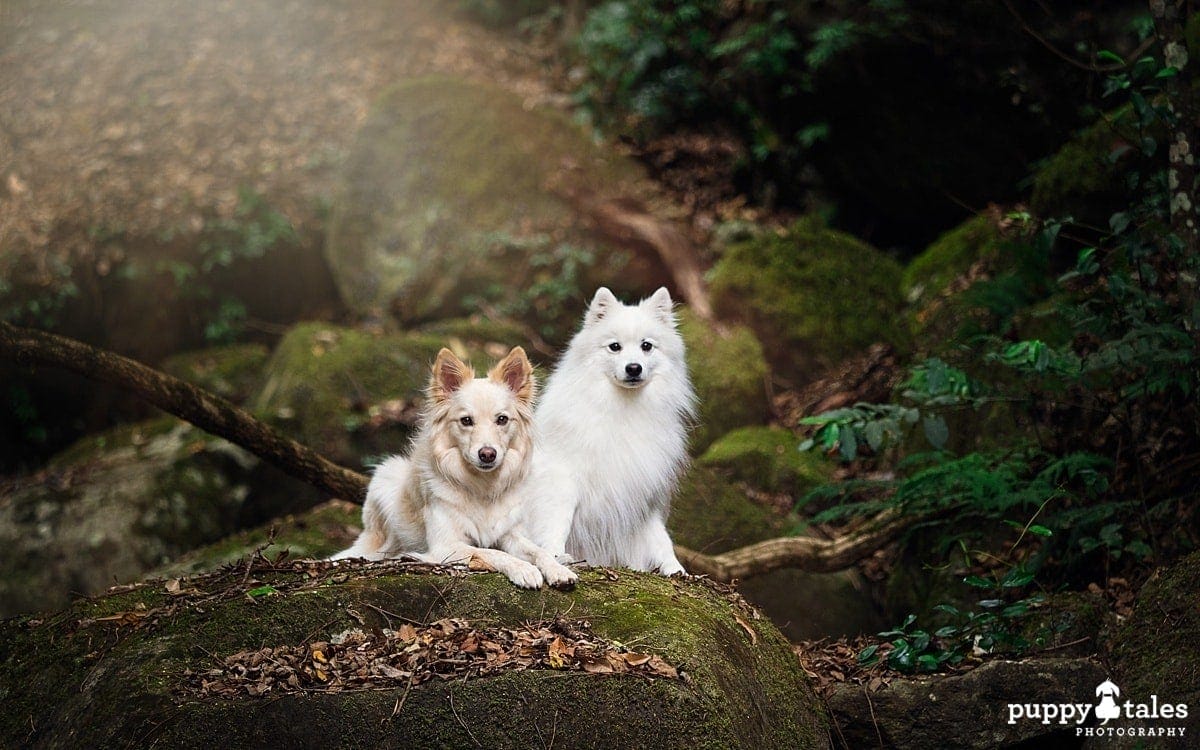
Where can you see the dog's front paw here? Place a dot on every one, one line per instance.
(671, 568)
(560, 576)
(525, 575)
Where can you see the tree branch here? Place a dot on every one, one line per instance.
(28, 347)
(803, 553)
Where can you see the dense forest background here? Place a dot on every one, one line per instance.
(939, 262)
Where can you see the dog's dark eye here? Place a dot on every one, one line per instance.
(466, 421)
(647, 346)
(502, 420)
(614, 347)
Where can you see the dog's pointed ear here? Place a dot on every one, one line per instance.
(603, 301)
(661, 305)
(515, 372)
(449, 374)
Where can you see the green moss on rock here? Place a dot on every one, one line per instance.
(82, 681)
(729, 373)
(709, 514)
(813, 295)
(951, 256)
(233, 372)
(767, 458)
(1155, 650)
(317, 533)
(322, 380)
(1084, 179)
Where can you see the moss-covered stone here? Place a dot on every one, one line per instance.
(108, 672)
(813, 295)
(1155, 651)
(233, 372)
(767, 458)
(313, 534)
(981, 277)
(115, 506)
(456, 193)
(1084, 179)
(950, 257)
(711, 515)
(729, 374)
(322, 380)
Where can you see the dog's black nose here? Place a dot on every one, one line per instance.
(633, 370)
(487, 455)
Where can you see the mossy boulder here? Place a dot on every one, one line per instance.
(122, 669)
(711, 514)
(1085, 178)
(233, 372)
(813, 295)
(456, 193)
(313, 534)
(985, 276)
(118, 504)
(729, 373)
(1155, 651)
(767, 458)
(323, 382)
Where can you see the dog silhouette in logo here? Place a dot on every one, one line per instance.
(1108, 708)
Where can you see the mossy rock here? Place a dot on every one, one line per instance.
(981, 277)
(767, 458)
(116, 505)
(949, 257)
(729, 373)
(313, 534)
(456, 194)
(322, 381)
(709, 514)
(233, 372)
(112, 672)
(1155, 650)
(712, 515)
(813, 296)
(1085, 178)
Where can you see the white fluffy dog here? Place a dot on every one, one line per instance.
(613, 425)
(460, 492)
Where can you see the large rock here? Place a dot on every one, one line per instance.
(1155, 654)
(457, 197)
(124, 502)
(813, 296)
(711, 514)
(234, 371)
(965, 711)
(767, 458)
(729, 373)
(130, 668)
(985, 276)
(333, 388)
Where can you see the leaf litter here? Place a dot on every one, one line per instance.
(448, 649)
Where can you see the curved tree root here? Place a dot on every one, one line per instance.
(803, 553)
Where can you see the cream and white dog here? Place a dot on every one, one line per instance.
(460, 493)
(613, 423)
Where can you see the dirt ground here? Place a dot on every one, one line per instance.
(143, 117)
